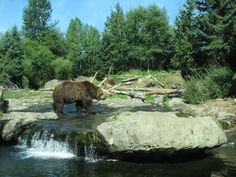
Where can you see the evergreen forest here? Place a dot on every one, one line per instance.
(203, 37)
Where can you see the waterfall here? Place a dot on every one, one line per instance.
(44, 144)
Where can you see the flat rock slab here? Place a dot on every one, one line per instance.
(159, 131)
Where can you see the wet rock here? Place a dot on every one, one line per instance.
(156, 132)
(16, 121)
(33, 115)
(14, 127)
(227, 120)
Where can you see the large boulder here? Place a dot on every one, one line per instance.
(50, 85)
(14, 127)
(16, 122)
(159, 132)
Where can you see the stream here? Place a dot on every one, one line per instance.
(50, 152)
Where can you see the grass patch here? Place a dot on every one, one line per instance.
(23, 94)
(118, 96)
(166, 78)
(149, 99)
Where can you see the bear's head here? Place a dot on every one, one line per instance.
(102, 94)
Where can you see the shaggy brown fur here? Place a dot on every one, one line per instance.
(82, 93)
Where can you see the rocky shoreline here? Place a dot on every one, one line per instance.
(133, 127)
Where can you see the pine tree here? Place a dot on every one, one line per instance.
(114, 42)
(73, 45)
(216, 26)
(36, 18)
(184, 39)
(11, 67)
(91, 47)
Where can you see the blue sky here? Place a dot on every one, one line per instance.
(92, 12)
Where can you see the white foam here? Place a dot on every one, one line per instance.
(45, 147)
(34, 153)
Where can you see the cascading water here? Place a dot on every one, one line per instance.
(45, 144)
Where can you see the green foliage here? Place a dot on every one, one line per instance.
(54, 40)
(20, 94)
(118, 96)
(62, 68)
(114, 41)
(205, 35)
(215, 83)
(149, 38)
(36, 18)
(25, 82)
(37, 63)
(149, 99)
(11, 56)
(183, 40)
(91, 56)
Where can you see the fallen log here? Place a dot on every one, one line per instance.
(132, 94)
(114, 87)
(162, 85)
(152, 91)
(130, 79)
(165, 91)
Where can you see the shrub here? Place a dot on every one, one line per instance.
(62, 68)
(149, 99)
(214, 83)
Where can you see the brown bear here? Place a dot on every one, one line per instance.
(81, 93)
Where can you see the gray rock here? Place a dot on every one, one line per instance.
(17, 120)
(51, 84)
(227, 120)
(82, 78)
(176, 104)
(14, 127)
(159, 131)
(225, 115)
(33, 115)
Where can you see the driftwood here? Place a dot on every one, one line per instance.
(130, 79)
(152, 91)
(94, 77)
(132, 94)
(128, 83)
(162, 85)
(104, 80)
(165, 91)
(114, 87)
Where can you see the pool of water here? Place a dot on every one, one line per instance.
(19, 161)
(48, 158)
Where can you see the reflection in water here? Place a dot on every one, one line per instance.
(227, 153)
(12, 164)
(34, 161)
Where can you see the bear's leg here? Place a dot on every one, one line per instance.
(79, 106)
(88, 104)
(58, 107)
